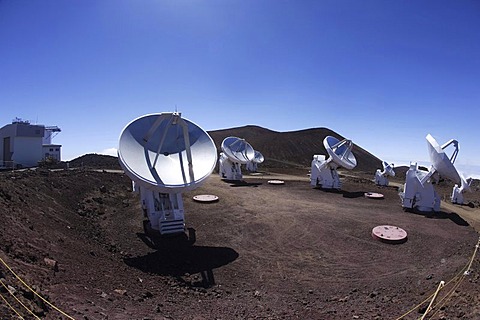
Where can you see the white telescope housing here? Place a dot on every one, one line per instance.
(235, 152)
(457, 192)
(381, 177)
(419, 192)
(324, 172)
(165, 155)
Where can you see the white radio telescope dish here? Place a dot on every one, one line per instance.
(324, 172)
(252, 165)
(381, 177)
(259, 158)
(340, 152)
(165, 155)
(440, 161)
(419, 192)
(235, 152)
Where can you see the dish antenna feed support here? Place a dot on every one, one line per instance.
(165, 155)
(324, 171)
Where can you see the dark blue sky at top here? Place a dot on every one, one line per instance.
(401, 69)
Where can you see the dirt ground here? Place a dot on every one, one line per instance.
(271, 251)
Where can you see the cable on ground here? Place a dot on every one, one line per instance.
(34, 292)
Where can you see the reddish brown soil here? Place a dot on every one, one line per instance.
(275, 252)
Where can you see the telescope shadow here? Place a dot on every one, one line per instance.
(177, 257)
(345, 194)
(242, 183)
(353, 194)
(454, 217)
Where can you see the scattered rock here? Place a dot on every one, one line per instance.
(53, 264)
(121, 292)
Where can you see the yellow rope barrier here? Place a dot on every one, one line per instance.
(462, 277)
(414, 308)
(446, 298)
(440, 286)
(11, 307)
(459, 277)
(34, 292)
(473, 257)
(18, 300)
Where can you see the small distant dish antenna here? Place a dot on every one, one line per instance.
(381, 177)
(235, 152)
(252, 165)
(457, 193)
(165, 155)
(324, 172)
(419, 192)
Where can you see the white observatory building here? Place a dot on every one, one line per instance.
(23, 144)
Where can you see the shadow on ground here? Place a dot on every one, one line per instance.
(177, 257)
(242, 183)
(345, 194)
(443, 215)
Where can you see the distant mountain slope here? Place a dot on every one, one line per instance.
(96, 161)
(293, 147)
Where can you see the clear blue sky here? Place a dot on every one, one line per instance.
(382, 73)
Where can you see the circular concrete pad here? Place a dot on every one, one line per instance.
(373, 195)
(205, 198)
(389, 234)
(277, 182)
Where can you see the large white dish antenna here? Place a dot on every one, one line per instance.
(340, 152)
(440, 161)
(258, 158)
(166, 153)
(237, 150)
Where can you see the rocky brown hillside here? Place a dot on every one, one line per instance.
(293, 148)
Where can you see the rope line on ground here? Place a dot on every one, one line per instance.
(473, 257)
(448, 296)
(440, 286)
(18, 300)
(34, 292)
(459, 278)
(10, 306)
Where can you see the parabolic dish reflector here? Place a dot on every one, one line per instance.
(258, 158)
(166, 152)
(237, 150)
(340, 152)
(440, 160)
(388, 168)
